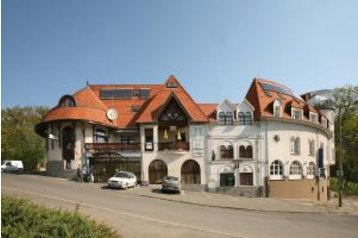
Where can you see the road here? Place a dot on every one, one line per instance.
(136, 216)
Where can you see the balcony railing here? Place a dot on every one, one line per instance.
(173, 146)
(112, 146)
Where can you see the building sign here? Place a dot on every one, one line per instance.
(198, 141)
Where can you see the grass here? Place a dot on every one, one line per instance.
(350, 188)
(22, 219)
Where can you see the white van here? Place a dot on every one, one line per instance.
(12, 166)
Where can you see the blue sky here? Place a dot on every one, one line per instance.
(214, 48)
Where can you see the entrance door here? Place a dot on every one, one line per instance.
(190, 172)
(157, 170)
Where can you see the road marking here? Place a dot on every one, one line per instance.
(175, 224)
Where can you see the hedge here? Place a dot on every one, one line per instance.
(22, 219)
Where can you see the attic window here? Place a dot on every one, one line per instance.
(277, 108)
(136, 93)
(144, 93)
(67, 101)
(116, 93)
(313, 117)
(296, 114)
(172, 85)
(135, 108)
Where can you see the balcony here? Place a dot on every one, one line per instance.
(112, 146)
(173, 146)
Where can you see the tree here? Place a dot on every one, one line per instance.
(347, 99)
(19, 140)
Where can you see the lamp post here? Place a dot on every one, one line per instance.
(340, 160)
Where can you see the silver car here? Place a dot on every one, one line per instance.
(171, 184)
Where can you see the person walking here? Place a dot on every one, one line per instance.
(79, 174)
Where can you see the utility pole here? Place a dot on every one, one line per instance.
(340, 160)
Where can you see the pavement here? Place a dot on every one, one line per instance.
(201, 198)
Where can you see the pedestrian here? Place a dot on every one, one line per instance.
(91, 172)
(79, 174)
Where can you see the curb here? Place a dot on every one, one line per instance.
(243, 208)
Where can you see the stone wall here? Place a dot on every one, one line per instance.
(239, 191)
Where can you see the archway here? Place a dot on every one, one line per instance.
(157, 170)
(190, 172)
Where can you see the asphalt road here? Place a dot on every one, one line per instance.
(135, 216)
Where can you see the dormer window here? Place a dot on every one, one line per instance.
(313, 117)
(229, 118)
(277, 108)
(67, 101)
(324, 121)
(172, 85)
(296, 114)
(222, 118)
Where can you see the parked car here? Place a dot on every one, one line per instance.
(171, 184)
(122, 179)
(12, 166)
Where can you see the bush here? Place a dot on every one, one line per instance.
(349, 188)
(20, 218)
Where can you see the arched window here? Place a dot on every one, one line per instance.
(276, 168)
(241, 118)
(295, 168)
(242, 151)
(226, 152)
(311, 168)
(229, 152)
(222, 118)
(100, 136)
(229, 118)
(248, 152)
(248, 118)
(222, 152)
(67, 101)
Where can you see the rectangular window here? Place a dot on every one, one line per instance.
(246, 179)
(144, 93)
(136, 93)
(135, 108)
(297, 114)
(313, 117)
(227, 180)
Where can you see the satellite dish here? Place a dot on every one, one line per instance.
(112, 114)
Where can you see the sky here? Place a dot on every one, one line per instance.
(214, 48)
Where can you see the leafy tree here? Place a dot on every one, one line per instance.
(18, 138)
(346, 103)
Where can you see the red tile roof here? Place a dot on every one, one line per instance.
(263, 100)
(78, 113)
(90, 107)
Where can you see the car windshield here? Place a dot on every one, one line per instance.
(121, 175)
(170, 178)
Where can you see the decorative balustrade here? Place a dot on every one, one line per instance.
(112, 146)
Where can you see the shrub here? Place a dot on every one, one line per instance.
(20, 218)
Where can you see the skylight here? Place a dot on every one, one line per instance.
(276, 88)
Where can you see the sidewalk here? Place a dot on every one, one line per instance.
(350, 205)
